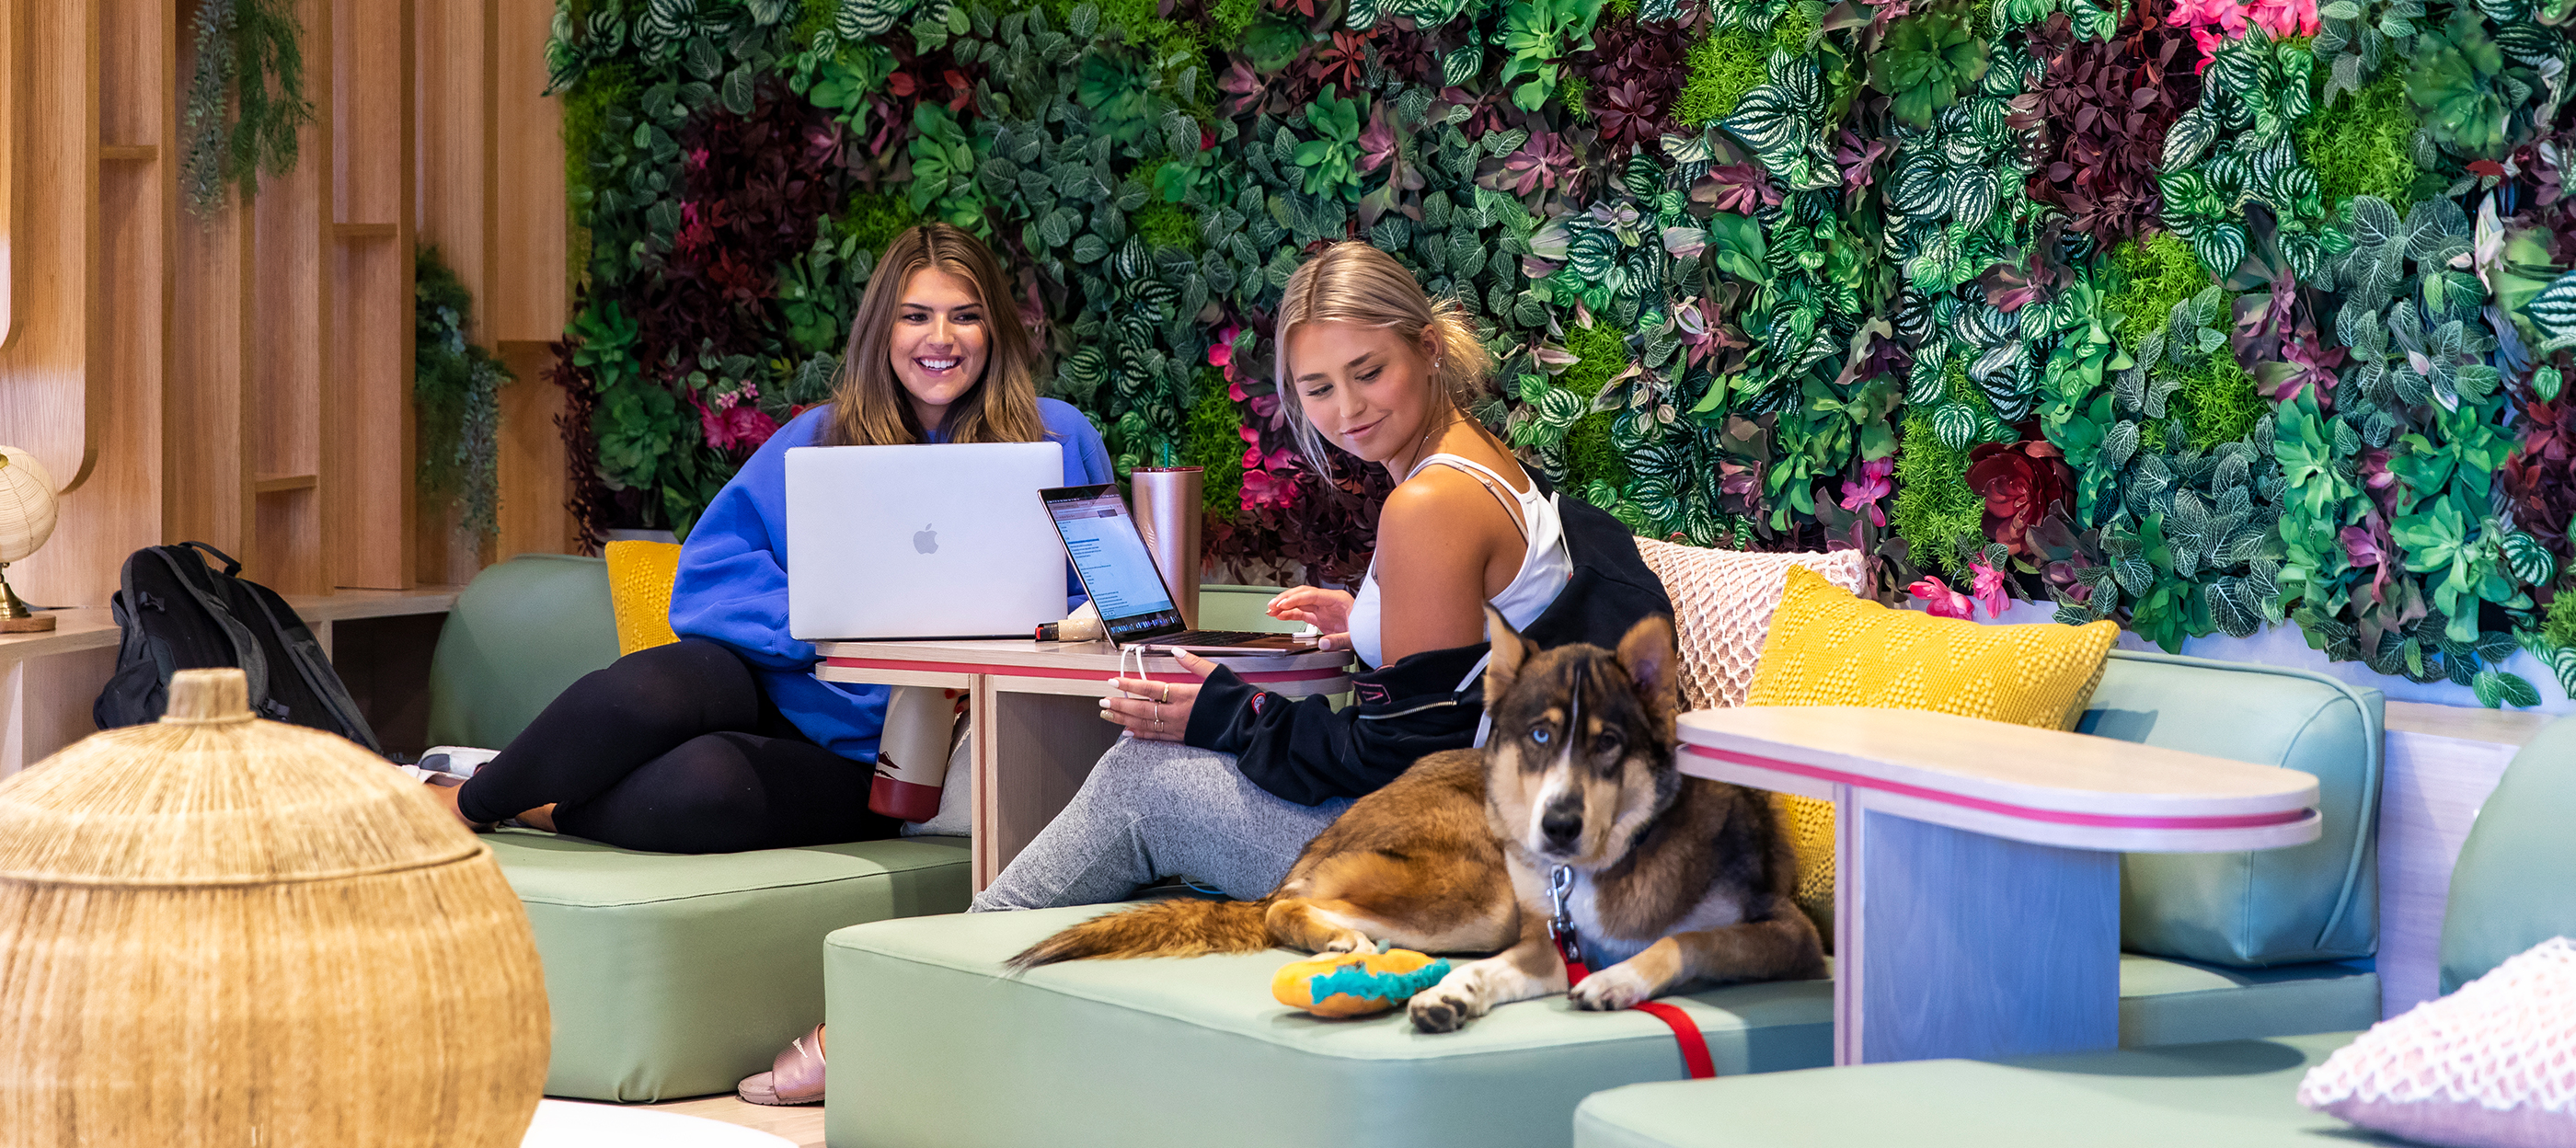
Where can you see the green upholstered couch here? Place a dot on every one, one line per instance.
(666, 975)
(2508, 893)
(1187, 1052)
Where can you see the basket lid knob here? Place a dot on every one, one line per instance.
(208, 697)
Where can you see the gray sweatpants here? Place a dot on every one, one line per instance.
(1153, 810)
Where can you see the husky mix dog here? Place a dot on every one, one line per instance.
(1665, 879)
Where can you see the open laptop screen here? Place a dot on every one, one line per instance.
(1110, 556)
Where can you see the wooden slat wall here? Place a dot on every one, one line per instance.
(46, 404)
(530, 292)
(454, 198)
(245, 379)
(12, 78)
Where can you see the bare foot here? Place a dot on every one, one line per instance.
(541, 817)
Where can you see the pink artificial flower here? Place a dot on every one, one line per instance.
(1873, 485)
(1989, 589)
(1221, 355)
(1263, 489)
(2200, 16)
(2286, 18)
(737, 427)
(2226, 15)
(1940, 600)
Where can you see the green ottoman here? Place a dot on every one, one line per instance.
(1193, 1052)
(2237, 1094)
(674, 975)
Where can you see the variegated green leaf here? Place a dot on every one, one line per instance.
(1956, 425)
(1973, 194)
(2191, 134)
(2553, 314)
(2496, 689)
(2530, 562)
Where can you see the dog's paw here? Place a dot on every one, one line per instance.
(1611, 989)
(1352, 941)
(1441, 1010)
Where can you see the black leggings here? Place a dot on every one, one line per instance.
(676, 749)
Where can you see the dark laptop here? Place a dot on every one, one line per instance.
(1136, 608)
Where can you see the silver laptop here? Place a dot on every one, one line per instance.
(1136, 608)
(945, 541)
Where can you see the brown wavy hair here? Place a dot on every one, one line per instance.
(869, 407)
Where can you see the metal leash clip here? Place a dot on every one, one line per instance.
(1560, 926)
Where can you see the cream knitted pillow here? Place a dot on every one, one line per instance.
(2491, 1066)
(1722, 603)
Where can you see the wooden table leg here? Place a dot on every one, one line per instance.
(1032, 751)
(1951, 943)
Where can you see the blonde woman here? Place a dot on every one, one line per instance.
(1224, 783)
(724, 741)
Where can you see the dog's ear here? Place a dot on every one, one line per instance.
(1510, 650)
(1648, 656)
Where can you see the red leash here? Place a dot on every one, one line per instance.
(1560, 932)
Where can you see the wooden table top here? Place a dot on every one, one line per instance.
(1003, 656)
(2020, 781)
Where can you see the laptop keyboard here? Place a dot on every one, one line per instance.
(1211, 638)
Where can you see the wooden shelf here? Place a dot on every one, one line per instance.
(144, 152)
(365, 230)
(277, 483)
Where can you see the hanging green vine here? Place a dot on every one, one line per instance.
(245, 99)
(456, 399)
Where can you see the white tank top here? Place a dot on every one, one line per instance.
(1545, 565)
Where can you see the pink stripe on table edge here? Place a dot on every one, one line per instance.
(2026, 813)
(1313, 675)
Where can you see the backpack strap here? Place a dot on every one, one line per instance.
(232, 566)
(193, 574)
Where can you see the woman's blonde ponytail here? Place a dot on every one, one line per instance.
(1465, 365)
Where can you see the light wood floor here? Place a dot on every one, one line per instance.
(802, 1125)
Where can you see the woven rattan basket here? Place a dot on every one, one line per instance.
(216, 930)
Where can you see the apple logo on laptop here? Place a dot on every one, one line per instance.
(926, 540)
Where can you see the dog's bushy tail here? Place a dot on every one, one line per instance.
(1181, 927)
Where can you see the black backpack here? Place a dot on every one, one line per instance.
(176, 613)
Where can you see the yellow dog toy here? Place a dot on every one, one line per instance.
(1356, 984)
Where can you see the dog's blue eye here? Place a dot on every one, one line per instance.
(1539, 735)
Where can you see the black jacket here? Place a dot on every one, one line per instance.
(1305, 751)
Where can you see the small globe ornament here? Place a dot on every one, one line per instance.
(26, 521)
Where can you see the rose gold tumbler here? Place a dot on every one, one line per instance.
(1167, 512)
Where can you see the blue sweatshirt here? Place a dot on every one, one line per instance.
(732, 586)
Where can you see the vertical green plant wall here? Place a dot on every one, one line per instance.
(2202, 315)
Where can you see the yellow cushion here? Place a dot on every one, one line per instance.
(640, 575)
(1829, 648)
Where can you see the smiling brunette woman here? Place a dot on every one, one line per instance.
(724, 741)
(1223, 783)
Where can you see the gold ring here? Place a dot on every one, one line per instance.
(1167, 691)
